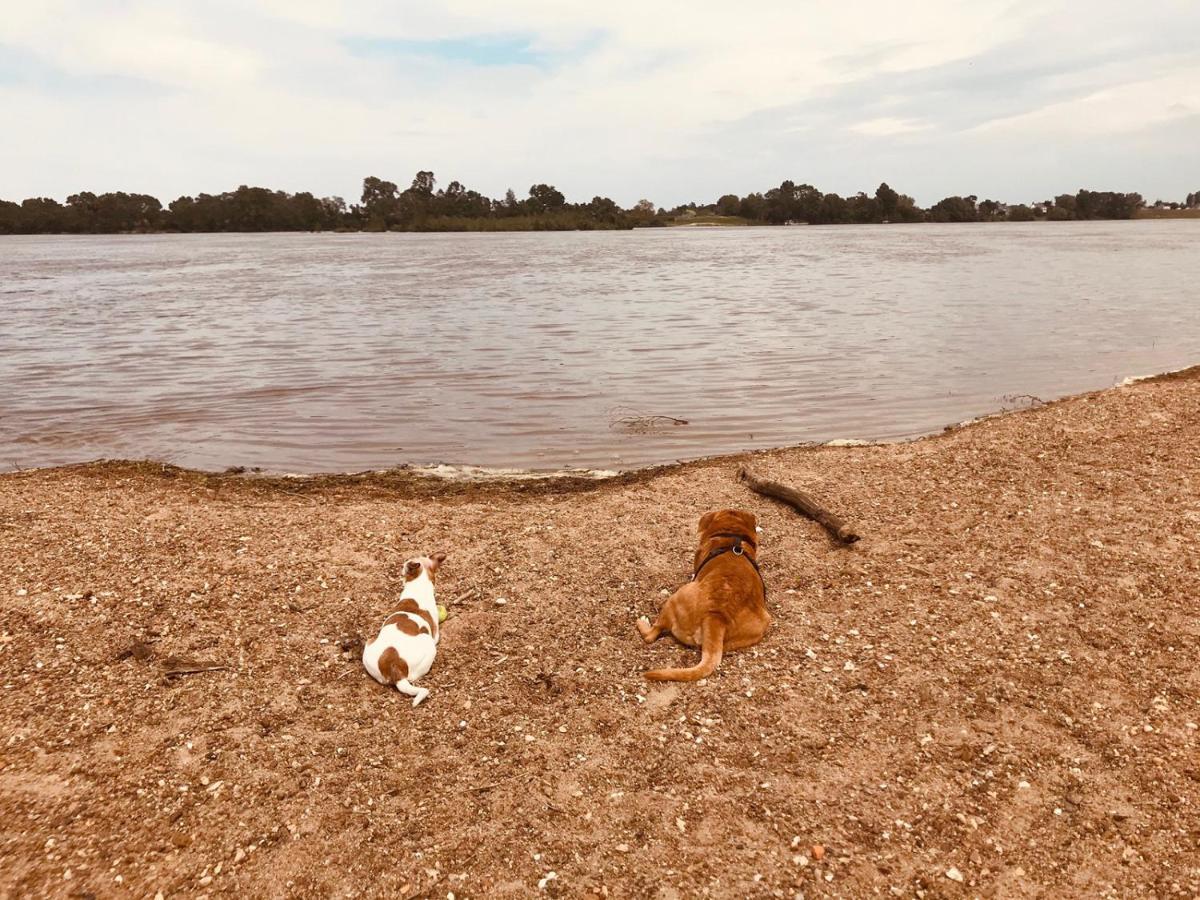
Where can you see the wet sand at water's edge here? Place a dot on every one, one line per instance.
(995, 693)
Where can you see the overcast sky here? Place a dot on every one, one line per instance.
(668, 101)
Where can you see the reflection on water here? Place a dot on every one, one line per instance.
(346, 352)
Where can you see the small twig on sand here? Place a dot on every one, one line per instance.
(177, 665)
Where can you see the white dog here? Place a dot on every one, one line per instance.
(407, 642)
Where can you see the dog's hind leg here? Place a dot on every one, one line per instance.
(712, 643)
(418, 694)
(665, 620)
(651, 632)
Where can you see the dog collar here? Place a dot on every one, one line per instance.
(736, 549)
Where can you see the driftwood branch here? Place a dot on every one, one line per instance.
(801, 502)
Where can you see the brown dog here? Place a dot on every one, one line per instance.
(724, 606)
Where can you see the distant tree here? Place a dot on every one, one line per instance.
(545, 198)
(1106, 205)
(887, 201)
(989, 210)
(807, 204)
(862, 210)
(729, 205)
(1020, 213)
(1066, 202)
(643, 213)
(753, 207)
(954, 209)
(779, 203)
(834, 210)
(380, 200)
(907, 210)
(42, 215)
(423, 183)
(333, 212)
(1088, 204)
(602, 209)
(10, 217)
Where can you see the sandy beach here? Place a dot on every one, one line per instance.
(995, 693)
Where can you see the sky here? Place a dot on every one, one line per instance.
(669, 101)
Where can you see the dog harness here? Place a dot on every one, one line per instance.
(736, 549)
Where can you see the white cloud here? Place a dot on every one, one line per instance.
(1111, 110)
(889, 126)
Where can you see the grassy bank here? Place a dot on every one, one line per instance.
(709, 220)
(1152, 213)
(998, 682)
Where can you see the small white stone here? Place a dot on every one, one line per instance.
(954, 875)
(500, 601)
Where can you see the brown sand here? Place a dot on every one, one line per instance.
(995, 693)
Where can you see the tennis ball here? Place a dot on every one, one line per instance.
(442, 613)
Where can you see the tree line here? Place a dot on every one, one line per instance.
(791, 203)
(422, 206)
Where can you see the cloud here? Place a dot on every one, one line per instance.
(889, 126)
(1111, 110)
(669, 101)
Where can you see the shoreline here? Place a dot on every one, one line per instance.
(426, 479)
(998, 680)
(1144, 215)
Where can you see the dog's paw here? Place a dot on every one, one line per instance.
(644, 620)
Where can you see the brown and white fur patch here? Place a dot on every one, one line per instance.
(407, 643)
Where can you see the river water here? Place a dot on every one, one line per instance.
(321, 352)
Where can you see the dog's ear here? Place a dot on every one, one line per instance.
(705, 521)
(438, 559)
(747, 518)
(412, 569)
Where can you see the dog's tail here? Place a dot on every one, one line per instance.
(712, 647)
